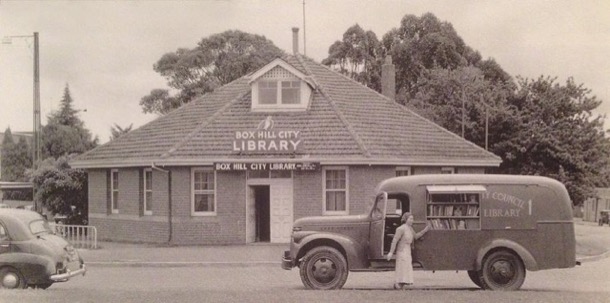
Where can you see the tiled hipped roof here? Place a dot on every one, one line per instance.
(346, 123)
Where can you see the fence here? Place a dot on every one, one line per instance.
(80, 236)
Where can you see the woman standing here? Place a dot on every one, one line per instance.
(403, 239)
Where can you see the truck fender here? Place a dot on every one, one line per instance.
(353, 251)
(528, 260)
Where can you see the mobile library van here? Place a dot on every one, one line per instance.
(494, 227)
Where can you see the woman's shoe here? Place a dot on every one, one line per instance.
(397, 286)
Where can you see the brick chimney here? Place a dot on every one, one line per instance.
(295, 40)
(388, 78)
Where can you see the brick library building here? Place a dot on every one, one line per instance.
(239, 165)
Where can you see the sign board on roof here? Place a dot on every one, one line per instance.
(265, 139)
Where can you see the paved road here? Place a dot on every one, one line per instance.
(265, 283)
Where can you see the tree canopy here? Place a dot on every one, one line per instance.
(59, 188)
(16, 158)
(65, 133)
(357, 56)
(62, 190)
(215, 61)
(538, 127)
(118, 131)
(555, 134)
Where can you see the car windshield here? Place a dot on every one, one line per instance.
(40, 227)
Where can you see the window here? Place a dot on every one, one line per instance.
(454, 207)
(335, 191)
(148, 191)
(271, 92)
(400, 171)
(403, 171)
(114, 189)
(291, 92)
(204, 198)
(267, 92)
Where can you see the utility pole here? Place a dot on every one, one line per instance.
(37, 138)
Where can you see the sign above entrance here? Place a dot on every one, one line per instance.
(266, 139)
(231, 166)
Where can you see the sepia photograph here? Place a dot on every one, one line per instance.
(304, 151)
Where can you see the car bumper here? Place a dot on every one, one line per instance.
(287, 261)
(69, 274)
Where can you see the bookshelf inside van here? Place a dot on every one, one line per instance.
(454, 207)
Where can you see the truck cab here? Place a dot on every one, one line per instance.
(494, 227)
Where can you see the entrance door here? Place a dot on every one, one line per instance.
(281, 210)
(258, 214)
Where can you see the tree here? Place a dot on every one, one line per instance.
(465, 100)
(65, 133)
(16, 158)
(61, 189)
(357, 56)
(424, 43)
(215, 61)
(555, 134)
(118, 131)
(6, 165)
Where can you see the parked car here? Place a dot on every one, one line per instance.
(31, 255)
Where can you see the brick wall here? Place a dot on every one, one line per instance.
(228, 226)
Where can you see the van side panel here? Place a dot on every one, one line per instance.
(533, 219)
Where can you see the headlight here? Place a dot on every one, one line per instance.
(296, 228)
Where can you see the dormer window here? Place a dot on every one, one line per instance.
(280, 87)
(279, 92)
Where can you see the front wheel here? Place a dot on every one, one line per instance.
(11, 278)
(324, 268)
(502, 270)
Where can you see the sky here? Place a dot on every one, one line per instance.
(105, 50)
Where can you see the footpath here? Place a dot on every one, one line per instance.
(592, 243)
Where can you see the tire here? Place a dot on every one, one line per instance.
(502, 270)
(11, 278)
(474, 277)
(323, 268)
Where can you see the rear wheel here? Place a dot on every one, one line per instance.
(11, 278)
(502, 270)
(474, 277)
(323, 268)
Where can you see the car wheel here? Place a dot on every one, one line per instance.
(502, 270)
(324, 268)
(11, 278)
(474, 277)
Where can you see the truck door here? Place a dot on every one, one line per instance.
(376, 229)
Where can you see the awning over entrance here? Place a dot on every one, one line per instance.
(455, 189)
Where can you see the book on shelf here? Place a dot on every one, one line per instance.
(454, 224)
